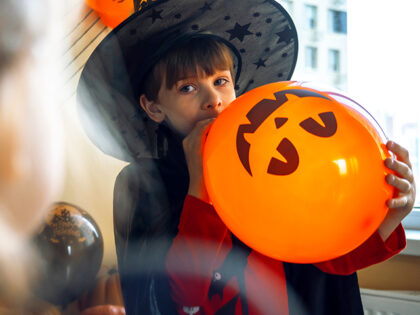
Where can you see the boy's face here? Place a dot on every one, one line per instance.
(195, 98)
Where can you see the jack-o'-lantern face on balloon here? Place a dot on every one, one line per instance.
(262, 110)
(296, 173)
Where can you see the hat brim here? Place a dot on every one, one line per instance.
(259, 32)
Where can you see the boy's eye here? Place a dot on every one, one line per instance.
(220, 81)
(186, 88)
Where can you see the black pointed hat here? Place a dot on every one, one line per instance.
(260, 34)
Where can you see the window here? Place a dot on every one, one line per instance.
(334, 60)
(388, 91)
(310, 17)
(337, 21)
(311, 57)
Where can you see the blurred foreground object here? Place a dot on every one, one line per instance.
(296, 173)
(31, 142)
(71, 247)
(31, 139)
(31, 307)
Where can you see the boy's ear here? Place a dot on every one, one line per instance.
(152, 109)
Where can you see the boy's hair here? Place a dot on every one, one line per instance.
(200, 54)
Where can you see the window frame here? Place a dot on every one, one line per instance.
(333, 27)
(336, 55)
(311, 16)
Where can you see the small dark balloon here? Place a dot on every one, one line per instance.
(70, 246)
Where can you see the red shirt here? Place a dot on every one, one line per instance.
(202, 245)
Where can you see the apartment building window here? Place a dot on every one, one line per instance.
(334, 60)
(337, 21)
(311, 57)
(394, 110)
(310, 16)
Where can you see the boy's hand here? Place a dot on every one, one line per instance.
(403, 180)
(193, 147)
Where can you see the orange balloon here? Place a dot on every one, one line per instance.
(112, 12)
(297, 174)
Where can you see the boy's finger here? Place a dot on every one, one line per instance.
(400, 202)
(402, 185)
(401, 152)
(401, 168)
(198, 135)
(203, 126)
(200, 127)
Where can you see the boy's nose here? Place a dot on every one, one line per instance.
(213, 102)
(214, 106)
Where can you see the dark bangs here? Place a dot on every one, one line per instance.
(196, 57)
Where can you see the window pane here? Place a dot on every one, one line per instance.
(334, 60)
(337, 21)
(311, 57)
(310, 16)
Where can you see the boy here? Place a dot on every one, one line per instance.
(199, 258)
(156, 83)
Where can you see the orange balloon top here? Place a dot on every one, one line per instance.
(112, 12)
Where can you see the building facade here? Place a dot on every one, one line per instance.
(322, 32)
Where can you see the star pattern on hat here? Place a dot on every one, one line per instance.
(205, 8)
(260, 63)
(239, 31)
(257, 35)
(285, 36)
(155, 15)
